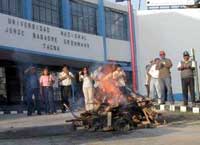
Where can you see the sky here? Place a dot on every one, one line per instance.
(135, 3)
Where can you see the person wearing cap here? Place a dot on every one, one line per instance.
(33, 90)
(165, 77)
(187, 66)
(155, 85)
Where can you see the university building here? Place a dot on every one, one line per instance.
(56, 32)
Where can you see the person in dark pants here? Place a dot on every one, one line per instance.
(65, 78)
(46, 83)
(165, 77)
(187, 77)
(32, 90)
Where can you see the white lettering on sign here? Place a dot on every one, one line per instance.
(28, 35)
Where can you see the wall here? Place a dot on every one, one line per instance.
(118, 50)
(171, 30)
(30, 36)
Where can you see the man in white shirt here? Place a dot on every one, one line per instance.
(155, 84)
(120, 76)
(96, 75)
(148, 77)
(65, 79)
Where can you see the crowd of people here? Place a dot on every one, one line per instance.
(158, 78)
(40, 89)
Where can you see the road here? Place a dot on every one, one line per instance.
(182, 129)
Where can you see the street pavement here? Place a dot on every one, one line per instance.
(52, 130)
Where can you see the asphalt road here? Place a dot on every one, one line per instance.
(182, 129)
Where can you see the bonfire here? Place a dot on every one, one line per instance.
(115, 109)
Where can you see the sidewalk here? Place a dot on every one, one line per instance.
(21, 121)
(52, 130)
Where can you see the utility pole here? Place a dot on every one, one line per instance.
(132, 45)
(196, 77)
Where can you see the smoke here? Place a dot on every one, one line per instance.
(108, 89)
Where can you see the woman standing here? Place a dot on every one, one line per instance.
(87, 88)
(46, 85)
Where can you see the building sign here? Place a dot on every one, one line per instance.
(19, 33)
(150, 3)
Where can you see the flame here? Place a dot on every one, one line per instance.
(109, 90)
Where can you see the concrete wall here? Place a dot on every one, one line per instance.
(171, 30)
(118, 50)
(20, 35)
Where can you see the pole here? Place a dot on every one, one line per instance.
(132, 45)
(196, 77)
(139, 5)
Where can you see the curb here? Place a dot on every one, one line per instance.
(179, 108)
(14, 112)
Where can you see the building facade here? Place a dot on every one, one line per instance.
(56, 32)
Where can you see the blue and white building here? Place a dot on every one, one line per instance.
(57, 32)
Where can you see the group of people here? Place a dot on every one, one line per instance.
(158, 78)
(40, 92)
(101, 83)
(40, 89)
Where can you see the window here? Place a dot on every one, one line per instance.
(116, 25)
(11, 7)
(84, 17)
(47, 12)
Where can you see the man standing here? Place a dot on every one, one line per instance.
(187, 78)
(33, 90)
(165, 76)
(155, 85)
(65, 78)
(148, 77)
(120, 76)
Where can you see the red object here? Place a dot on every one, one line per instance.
(132, 45)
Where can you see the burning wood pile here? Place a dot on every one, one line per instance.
(116, 106)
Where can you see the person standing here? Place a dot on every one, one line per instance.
(155, 84)
(96, 75)
(56, 87)
(187, 77)
(88, 89)
(65, 79)
(120, 76)
(46, 83)
(148, 78)
(165, 76)
(32, 90)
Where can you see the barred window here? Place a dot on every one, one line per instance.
(11, 7)
(116, 24)
(47, 12)
(84, 17)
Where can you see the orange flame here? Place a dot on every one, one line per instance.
(109, 87)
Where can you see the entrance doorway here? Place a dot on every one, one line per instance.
(12, 85)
